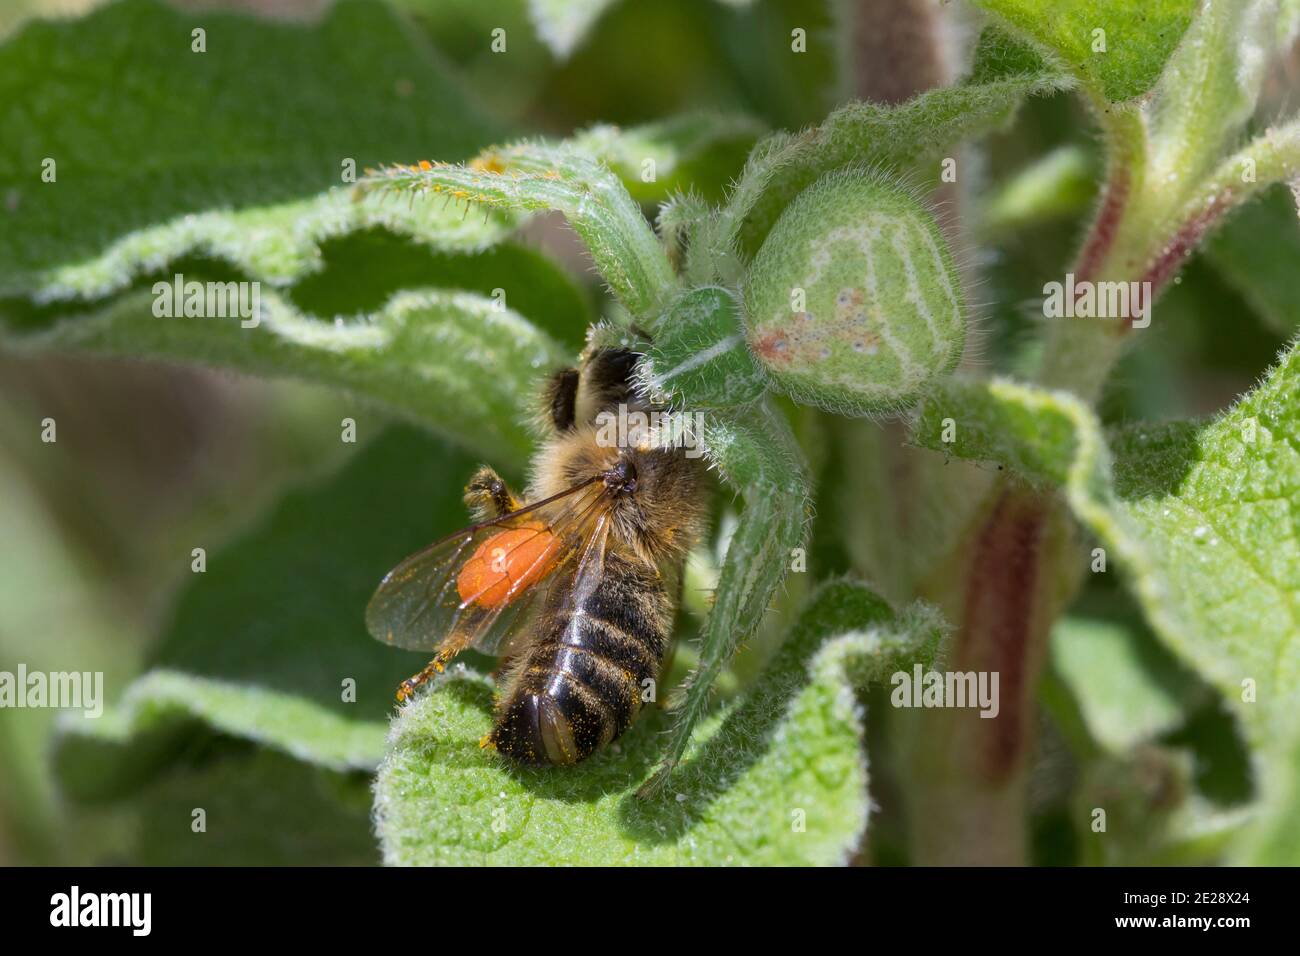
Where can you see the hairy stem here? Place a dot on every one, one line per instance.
(895, 49)
(1012, 578)
(968, 803)
(1078, 356)
(1145, 232)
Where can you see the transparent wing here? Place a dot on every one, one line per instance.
(474, 588)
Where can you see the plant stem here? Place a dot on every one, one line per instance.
(968, 805)
(1079, 354)
(896, 50)
(968, 802)
(1136, 237)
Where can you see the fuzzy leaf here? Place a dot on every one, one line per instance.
(1200, 516)
(1209, 89)
(453, 360)
(283, 108)
(220, 200)
(260, 644)
(105, 757)
(1137, 42)
(1128, 691)
(792, 743)
(277, 245)
(693, 151)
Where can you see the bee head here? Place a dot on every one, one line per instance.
(621, 477)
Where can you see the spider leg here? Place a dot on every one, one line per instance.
(758, 456)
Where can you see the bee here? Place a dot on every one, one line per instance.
(576, 591)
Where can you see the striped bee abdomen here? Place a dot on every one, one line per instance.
(580, 684)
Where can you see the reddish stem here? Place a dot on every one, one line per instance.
(1172, 255)
(968, 805)
(999, 627)
(1184, 243)
(1106, 226)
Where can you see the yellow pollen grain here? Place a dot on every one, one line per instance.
(490, 163)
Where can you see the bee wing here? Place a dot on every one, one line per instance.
(431, 602)
(582, 570)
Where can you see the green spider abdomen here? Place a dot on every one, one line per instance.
(853, 301)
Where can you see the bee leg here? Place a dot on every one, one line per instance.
(488, 496)
(407, 688)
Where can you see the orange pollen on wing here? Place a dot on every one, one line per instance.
(506, 565)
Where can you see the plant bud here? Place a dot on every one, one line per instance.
(853, 301)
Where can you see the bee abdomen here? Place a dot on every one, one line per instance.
(581, 685)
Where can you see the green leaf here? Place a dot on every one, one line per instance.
(1170, 181)
(105, 758)
(260, 808)
(1200, 517)
(283, 107)
(261, 643)
(1276, 839)
(792, 743)
(1127, 690)
(1256, 251)
(221, 202)
(1138, 39)
(694, 151)
(531, 176)
(278, 245)
(453, 360)
(562, 24)
(900, 137)
(1209, 89)
(1058, 185)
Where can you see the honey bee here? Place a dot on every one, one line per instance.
(575, 591)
